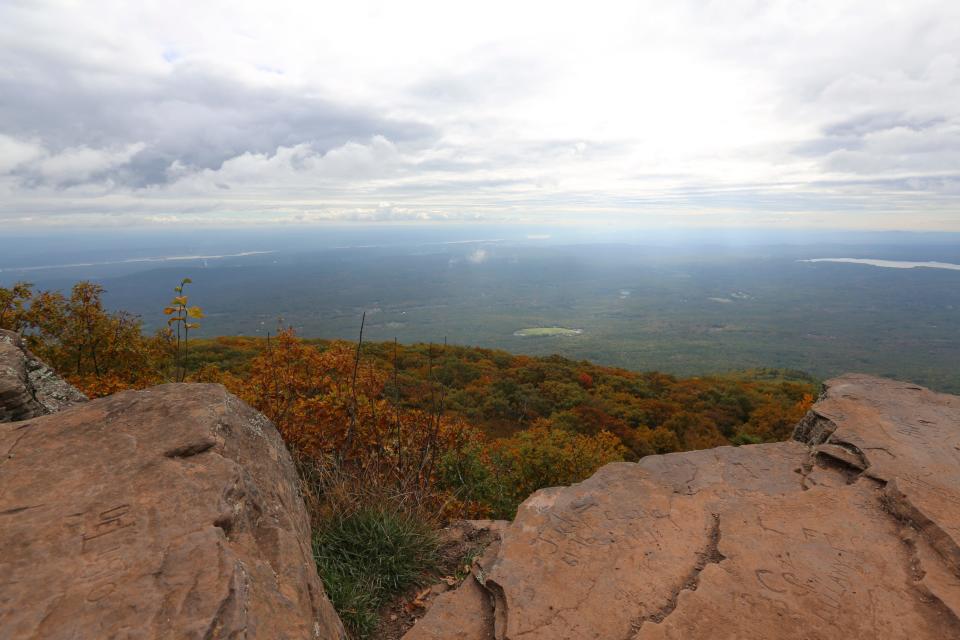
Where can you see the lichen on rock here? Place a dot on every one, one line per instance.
(28, 387)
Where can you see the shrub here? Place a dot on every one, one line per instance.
(500, 476)
(479, 489)
(540, 457)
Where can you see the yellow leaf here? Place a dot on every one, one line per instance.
(179, 300)
(195, 312)
(172, 320)
(193, 325)
(168, 310)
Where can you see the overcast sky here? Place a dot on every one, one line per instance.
(728, 113)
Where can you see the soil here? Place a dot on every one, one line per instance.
(460, 544)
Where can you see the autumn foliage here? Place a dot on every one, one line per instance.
(470, 431)
(330, 404)
(482, 429)
(98, 351)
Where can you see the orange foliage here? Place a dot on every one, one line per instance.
(327, 405)
(97, 350)
(475, 430)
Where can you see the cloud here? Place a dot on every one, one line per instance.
(15, 153)
(79, 164)
(31, 163)
(478, 256)
(302, 165)
(677, 113)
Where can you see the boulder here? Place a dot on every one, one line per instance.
(851, 530)
(167, 513)
(28, 387)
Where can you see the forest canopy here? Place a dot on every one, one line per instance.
(476, 429)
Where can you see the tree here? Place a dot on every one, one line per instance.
(181, 319)
(97, 350)
(14, 309)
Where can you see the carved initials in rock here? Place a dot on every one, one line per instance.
(102, 551)
(107, 522)
(826, 591)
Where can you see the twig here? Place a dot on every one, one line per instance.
(348, 441)
(396, 409)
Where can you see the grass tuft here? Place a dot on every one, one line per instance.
(370, 555)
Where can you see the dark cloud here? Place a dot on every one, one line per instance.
(191, 114)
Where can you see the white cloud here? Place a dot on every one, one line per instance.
(478, 256)
(15, 153)
(646, 112)
(300, 166)
(78, 164)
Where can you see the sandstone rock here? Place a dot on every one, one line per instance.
(465, 613)
(167, 513)
(850, 531)
(28, 387)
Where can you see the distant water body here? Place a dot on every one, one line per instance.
(135, 260)
(890, 264)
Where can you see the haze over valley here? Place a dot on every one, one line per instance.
(682, 303)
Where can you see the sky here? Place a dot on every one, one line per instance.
(730, 113)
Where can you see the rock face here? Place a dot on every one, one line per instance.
(167, 513)
(28, 387)
(852, 530)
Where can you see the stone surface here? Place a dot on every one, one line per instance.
(466, 613)
(167, 513)
(850, 531)
(28, 387)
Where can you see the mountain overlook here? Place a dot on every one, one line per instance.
(498, 320)
(175, 512)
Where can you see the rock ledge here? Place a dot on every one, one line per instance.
(852, 530)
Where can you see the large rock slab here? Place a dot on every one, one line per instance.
(850, 531)
(167, 513)
(28, 387)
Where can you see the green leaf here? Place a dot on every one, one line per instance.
(186, 281)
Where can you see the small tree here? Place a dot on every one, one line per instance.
(181, 316)
(14, 306)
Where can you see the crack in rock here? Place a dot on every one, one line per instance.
(710, 554)
(917, 577)
(900, 506)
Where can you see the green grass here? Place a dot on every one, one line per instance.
(368, 556)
